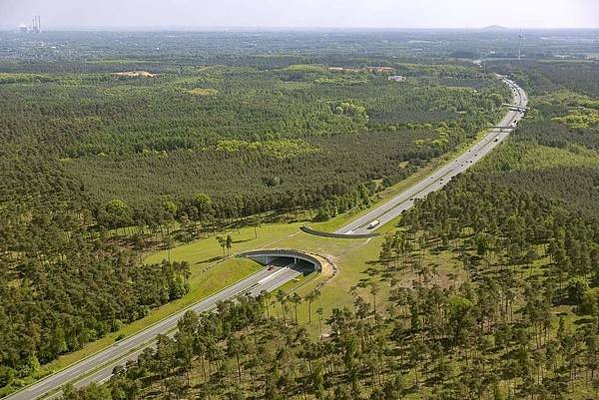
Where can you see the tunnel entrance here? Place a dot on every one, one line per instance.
(301, 262)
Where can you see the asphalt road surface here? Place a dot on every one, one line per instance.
(437, 180)
(98, 367)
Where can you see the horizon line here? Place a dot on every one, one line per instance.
(191, 28)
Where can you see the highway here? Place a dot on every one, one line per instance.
(438, 179)
(98, 367)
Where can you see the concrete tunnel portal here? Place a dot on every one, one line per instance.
(297, 260)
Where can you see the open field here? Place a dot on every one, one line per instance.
(351, 256)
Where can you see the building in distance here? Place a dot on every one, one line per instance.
(36, 26)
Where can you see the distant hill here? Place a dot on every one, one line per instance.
(495, 28)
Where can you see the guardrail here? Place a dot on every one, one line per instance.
(311, 231)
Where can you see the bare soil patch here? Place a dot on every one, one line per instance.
(135, 74)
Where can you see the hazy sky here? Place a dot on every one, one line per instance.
(304, 13)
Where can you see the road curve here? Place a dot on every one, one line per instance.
(98, 367)
(437, 180)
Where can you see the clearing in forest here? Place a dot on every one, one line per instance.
(135, 74)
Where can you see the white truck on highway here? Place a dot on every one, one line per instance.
(374, 224)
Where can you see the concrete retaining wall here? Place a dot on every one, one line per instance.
(311, 231)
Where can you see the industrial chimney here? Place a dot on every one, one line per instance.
(37, 24)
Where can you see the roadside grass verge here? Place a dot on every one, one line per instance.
(353, 257)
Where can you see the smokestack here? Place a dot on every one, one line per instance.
(36, 26)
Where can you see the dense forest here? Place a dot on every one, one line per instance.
(281, 138)
(101, 131)
(523, 324)
(518, 320)
(93, 145)
(62, 286)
